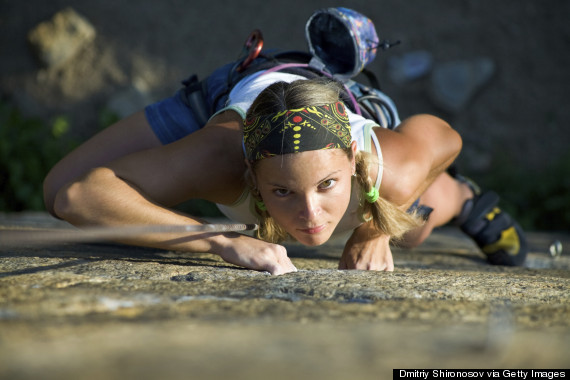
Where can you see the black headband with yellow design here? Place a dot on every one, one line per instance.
(297, 130)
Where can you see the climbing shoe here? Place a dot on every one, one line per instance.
(496, 233)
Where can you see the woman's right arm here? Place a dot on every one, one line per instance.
(101, 198)
(138, 189)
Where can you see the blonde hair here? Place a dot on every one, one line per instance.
(387, 218)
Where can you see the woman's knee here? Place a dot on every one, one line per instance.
(127, 136)
(50, 189)
(70, 200)
(416, 236)
(64, 200)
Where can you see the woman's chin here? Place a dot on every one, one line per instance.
(312, 240)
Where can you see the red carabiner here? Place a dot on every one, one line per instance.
(253, 46)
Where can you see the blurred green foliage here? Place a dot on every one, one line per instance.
(107, 117)
(29, 147)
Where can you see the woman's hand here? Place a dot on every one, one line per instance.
(254, 254)
(368, 251)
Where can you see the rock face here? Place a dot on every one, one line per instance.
(57, 40)
(453, 84)
(96, 311)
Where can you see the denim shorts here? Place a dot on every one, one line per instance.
(172, 119)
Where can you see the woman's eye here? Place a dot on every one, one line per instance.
(327, 184)
(281, 192)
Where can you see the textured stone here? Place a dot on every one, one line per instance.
(453, 84)
(109, 311)
(57, 40)
(131, 99)
(409, 66)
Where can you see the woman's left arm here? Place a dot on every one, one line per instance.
(414, 154)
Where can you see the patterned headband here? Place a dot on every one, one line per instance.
(297, 130)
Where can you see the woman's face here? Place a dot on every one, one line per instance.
(307, 193)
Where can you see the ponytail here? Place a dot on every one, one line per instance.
(388, 219)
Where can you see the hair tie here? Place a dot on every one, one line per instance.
(260, 205)
(372, 196)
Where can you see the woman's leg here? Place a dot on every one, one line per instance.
(496, 233)
(446, 197)
(127, 136)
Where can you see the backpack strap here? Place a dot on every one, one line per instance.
(358, 98)
(193, 96)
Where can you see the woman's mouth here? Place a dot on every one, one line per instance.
(313, 230)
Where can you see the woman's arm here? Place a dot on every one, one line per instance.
(101, 198)
(367, 250)
(415, 153)
(136, 189)
(420, 149)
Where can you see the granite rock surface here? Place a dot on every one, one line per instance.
(96, 311)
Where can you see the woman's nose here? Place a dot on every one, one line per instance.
(310, 207)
